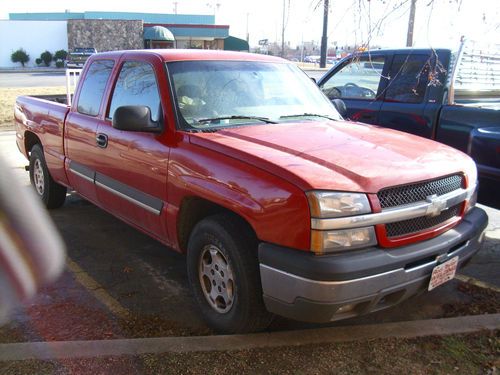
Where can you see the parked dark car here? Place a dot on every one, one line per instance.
(453, 98)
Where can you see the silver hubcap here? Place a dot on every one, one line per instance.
(216, 279)
(38, 177)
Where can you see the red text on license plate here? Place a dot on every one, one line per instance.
(443, 273)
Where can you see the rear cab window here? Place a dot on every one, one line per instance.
(408, 79)
(94, 84)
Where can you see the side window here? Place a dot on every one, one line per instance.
(136, 85)
(359, 79)
(93, 87)
(409, 76)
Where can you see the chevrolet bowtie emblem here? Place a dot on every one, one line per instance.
(437, 205)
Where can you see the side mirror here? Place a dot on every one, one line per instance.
(340, 106)
(135, 118)
(314, 80)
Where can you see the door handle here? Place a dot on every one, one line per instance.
(101, 140)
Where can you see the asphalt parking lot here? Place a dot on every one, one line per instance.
(120, 283)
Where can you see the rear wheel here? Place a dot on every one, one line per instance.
(50, 192)
(224, 275)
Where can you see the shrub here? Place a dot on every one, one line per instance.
(20, 56)
(60, 55)
(59, 64)
(38, 61)
(46, 58)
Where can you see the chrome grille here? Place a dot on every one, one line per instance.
(405, 194)
(418, 224)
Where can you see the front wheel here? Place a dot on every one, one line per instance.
(224, 275)
(50, 192)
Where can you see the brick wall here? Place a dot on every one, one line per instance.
(105, 35)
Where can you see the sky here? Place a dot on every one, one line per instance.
(439, 23)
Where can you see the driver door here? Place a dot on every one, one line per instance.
(359, 82)
(131, 177)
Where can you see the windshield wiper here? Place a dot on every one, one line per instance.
(309, 115)
(209, 130)
(237, 117)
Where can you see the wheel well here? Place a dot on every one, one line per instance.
(30, 139)
(192, 211)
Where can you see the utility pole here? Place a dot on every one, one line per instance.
(248, 35)
(283, 32)
(324, 38)
(411, 24)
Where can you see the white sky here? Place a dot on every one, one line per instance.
(439, 25)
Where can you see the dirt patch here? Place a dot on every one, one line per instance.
(8, 97)
(12, 333)
(459, 354)
(137, 326)
(482, 301)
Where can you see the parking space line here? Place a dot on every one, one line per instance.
(97, 290)
(476, 282)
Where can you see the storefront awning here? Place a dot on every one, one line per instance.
(158, 33)
(232, 43)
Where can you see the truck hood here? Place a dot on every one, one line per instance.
(336, 155)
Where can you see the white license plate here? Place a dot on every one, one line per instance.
(443, 273)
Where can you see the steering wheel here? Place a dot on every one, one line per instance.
(363, 92)
(332, 92)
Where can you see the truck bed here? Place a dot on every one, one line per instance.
(43, 117)
(61, 99)
(487, 103)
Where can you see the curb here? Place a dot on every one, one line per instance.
(100, 348)
(476, 282)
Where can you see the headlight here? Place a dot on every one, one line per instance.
(328, 204)
(333, 204)
(471, 202)
(471, 172)
(472, 182)
(329, 241)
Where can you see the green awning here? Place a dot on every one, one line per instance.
(158, 33)
(232, 43)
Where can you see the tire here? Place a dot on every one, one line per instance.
(230, 302)
(50, 192)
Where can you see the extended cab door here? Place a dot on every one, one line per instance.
(131, 177)
(80, 129)
(358, 82)
(406, 95)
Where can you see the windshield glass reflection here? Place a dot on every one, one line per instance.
(214, 94)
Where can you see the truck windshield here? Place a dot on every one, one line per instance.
(215, 94)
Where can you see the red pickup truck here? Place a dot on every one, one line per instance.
(239, 161)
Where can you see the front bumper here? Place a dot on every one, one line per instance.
(306, 287)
